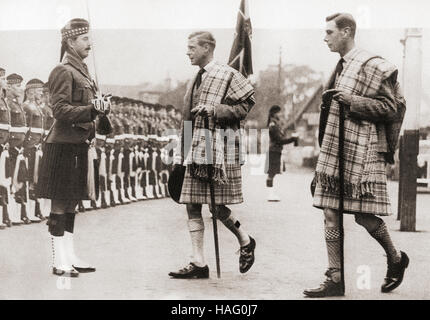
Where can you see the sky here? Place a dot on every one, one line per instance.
(138, 41)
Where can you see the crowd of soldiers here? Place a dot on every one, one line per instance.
(130, 164)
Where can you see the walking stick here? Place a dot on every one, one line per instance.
(214, 208)
(341, 188)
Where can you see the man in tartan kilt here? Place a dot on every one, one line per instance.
(224, 97)
(366, 87)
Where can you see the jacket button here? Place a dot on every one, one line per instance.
(73, 125)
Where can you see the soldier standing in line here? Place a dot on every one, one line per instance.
(4, 152)
(126, 123)
(33, 141)
(111, 193)
(43, 206)
(117, 169)
(18, 131)
(101, 177)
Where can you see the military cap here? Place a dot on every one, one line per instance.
(34, 83)
(14, 79)
(74, 28)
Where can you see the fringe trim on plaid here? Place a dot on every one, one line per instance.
(201, 172)
(351, 190)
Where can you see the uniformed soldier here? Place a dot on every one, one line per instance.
(133, 156)
(127, 125)
(18, 131)
(112, 193)
(32, 143)
(141, 150)
(4, 152)
(44, 205)
(100, 146)
(65, 164)
(117, 169)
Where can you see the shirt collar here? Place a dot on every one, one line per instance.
(351, 53)
(209, 66)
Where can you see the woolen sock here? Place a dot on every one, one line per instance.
(56, 224)
(70, 222)
(382, 235)
(197, 229)
(332, 239)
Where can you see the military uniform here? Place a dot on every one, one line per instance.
(4, 153)
(65, 173)
(18, 131)
(32, 145)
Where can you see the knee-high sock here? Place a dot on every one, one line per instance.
(70, 222)
(56, 224)
(234, 226)
(382, 235)
(332, 239)
(197, 229)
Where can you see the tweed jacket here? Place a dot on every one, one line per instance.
(71, 90)
(385, 107)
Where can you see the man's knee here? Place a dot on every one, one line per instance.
(368, 221)
(222, 211)
(331, 218)
(59, 206)
(71, 206)
(194, 210)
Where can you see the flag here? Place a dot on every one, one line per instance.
(240, 55)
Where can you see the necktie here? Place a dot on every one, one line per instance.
(339, 67)
(199, 78)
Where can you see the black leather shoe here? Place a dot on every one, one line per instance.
(8, 223)
(395, 273)
(328, 288)
(85, 269)
(26, 220)
(64, 273)
(247, 257)
(191, 271)
(40, 216)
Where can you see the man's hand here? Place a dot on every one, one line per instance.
(204, 111)
(102, 104)
(339, 95)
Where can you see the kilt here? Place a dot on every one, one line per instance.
(63, 172)
(197, 191)
(273, 163)
(377, 205)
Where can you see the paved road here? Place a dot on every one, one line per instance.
(134, 247)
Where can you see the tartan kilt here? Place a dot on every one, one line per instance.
(378, 205)
(197, 191)
(63, 172)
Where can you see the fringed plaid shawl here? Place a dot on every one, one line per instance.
(221, 82)
(363, 76)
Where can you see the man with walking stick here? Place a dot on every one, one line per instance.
(364, 89)
(216, 100)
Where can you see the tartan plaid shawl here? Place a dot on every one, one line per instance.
(221, 82)
(362, 76)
